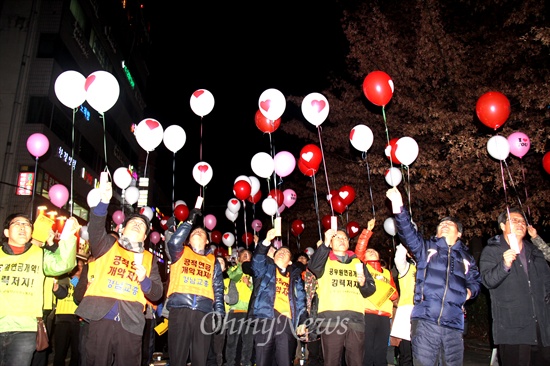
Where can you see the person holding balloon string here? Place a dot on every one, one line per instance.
(195, 297)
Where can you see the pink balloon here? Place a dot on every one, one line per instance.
(290, 197)
(59, 195)
(154, 237)
(210, 222)
(38, 144)
(256, 225)
(519, 144)
(118, 217)
(285, 163)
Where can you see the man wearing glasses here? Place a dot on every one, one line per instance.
(518, 278)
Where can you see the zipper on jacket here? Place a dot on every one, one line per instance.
(446, 285)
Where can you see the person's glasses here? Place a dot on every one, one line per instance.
(24, 224)
(515, 221)
(341, 237)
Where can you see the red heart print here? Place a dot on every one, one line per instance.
(198, 93)
(89, 80)
(203, 168)
(524, 139)
(151, 123)
(352, 132)
(234, 202)
(226, 235)
(265, 104)
(318, 105)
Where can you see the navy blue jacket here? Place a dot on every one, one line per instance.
(517, 298)
(263, 297)
(443, 275)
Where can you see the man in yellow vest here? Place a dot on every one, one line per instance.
(24, 267)
(195, 294)
(344, 283)
(378, 306)
(124, 275)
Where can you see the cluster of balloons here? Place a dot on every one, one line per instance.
(149, 134)
(402, 150)
(493, 109)
(277, 201)
(263, 165)
(500, 147)
(100, 89)
(342, 198)
(181, 211)
(310, 159)
(378, 88)
(265, 124)
(232, 210)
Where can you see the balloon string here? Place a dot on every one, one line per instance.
(146, 162)
(504, 186)
(316, 202)
(325, 167)
(407, 186)
(122, 203)
(102, 116)
(525, 185)
(173, 179)
(370, 185)
(200, 144)
(388, 140)
(513, 185)
(244, 220)
(34, 187)
(72, 161)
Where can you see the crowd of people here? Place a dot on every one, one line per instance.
(265, 305)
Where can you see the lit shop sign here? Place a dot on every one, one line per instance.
(66, 157)
(128, 75)
(85, 111)
(25, 182)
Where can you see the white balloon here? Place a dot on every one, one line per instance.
(122, 177)
(254, 185)
(147, 212)
(202, 102)
(393, 176)
(202, 173)
(231, 216)
(102, 90)
(84, 233)
(131, 195)
(315, 108)
(272, 104)
(93, 198)
(498, 147)
(406, 150)
(179, 202)
(228, 239)
(234, 205)
(149, 134)
(269, 205)
(69, 88)
(262, 164)
(243, 177)
(309, 251)
(174, 138)
(361, 137)
(284, 163)
(389, 226)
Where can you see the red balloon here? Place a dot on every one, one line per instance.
(242, 189)
(216, 236)
(352, 229)
(347, 194)
(278, 196)
(310, 172)
(546, 162)
(390, 151)
(297, 227)
(325, 221)
(378, 88)
(264, 124)
(256, 198)
(311, 156)
(338, 204)
(493, 109)
(181, 212)
(248, 238)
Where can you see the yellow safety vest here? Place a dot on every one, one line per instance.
(193, 274)
(338, 287)
(380, 300)
(66, 305)
(114, 275)
(406, 286)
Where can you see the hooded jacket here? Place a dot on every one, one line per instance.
(517, 298)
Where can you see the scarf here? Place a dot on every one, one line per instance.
(136, 247)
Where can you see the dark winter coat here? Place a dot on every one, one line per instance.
(517, 299)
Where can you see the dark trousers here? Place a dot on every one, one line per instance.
(377, 335)
(67, 336)
(237, 329)
(215, 352)
(405, 353)
(334, 342)
(108, 343)
(523, 355)
(148, 342)
(315, 353)
(189, 333)
(274, 341)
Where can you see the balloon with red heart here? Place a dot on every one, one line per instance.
(242, 189)
(361, 137)
(216, 236)
(234, 205)
(277, 195)
(228, 239)
(390, 150)
(272, 103)
(181, 212)
(347, 194)
(352, 228)
(149, 134)
(255, 198)
(248, 238)
(102, 90)
(493, 109)
(202, 102)
(311, 156)
(266, 125)
(297, 227)
(202, 173)
(519, 144)
(315, 108)
(378, 88)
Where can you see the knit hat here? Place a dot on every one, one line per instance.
(455, 220)
(139, 216)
